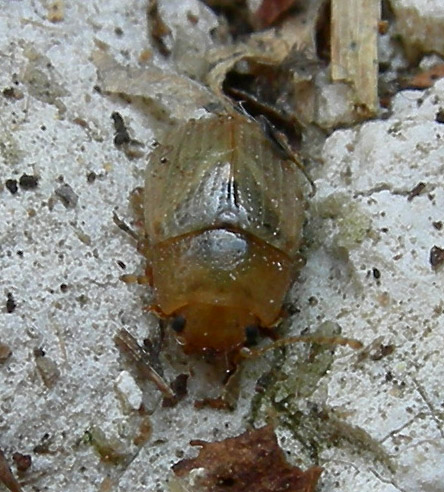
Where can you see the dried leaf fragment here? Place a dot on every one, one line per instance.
(272, 72)
(5, 352)
(251, 461)
(169, 95)
(426, 78)
(22, 461)
(271, 10)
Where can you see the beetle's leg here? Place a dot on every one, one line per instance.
(320, 340)
(270, 331)
(155, 309)
(219, 403)
(125, 227)
(146, 279)
(142, 248)
(142, 244)
(136, 279)
(230, 393)
(136, 201)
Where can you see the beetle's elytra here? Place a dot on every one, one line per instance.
(223, 214)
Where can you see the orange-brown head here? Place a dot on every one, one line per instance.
(214, 329)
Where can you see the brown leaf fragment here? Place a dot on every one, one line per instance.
(426, 78)
(6, 476)
(251, 461)
(22, 461)
(271, 10)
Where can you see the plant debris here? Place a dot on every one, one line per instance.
(11, 184)
(128, 345)
(121, 135)
(436, 257)
(47, 368)
(168, 95)
(159, 31)
(354, 31)
(12, 93)
(425, 79)
(10, 303)
(122, 138)
(179, 387)
(5, 352)
(6, 475)
(271, 11)
(109, 449)
(67, 196)
(22, 461)
(416, 191)
(28, 182)
(237, 463)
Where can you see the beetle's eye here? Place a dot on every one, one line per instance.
(251, 334)
(178, 324)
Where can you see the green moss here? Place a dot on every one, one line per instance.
(287, 389)
(109, 450)
(340, 218)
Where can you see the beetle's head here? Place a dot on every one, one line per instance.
(204, 328)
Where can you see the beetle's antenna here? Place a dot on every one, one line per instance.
(320, 340)
(282, 146)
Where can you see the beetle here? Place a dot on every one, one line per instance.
(223, 214)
